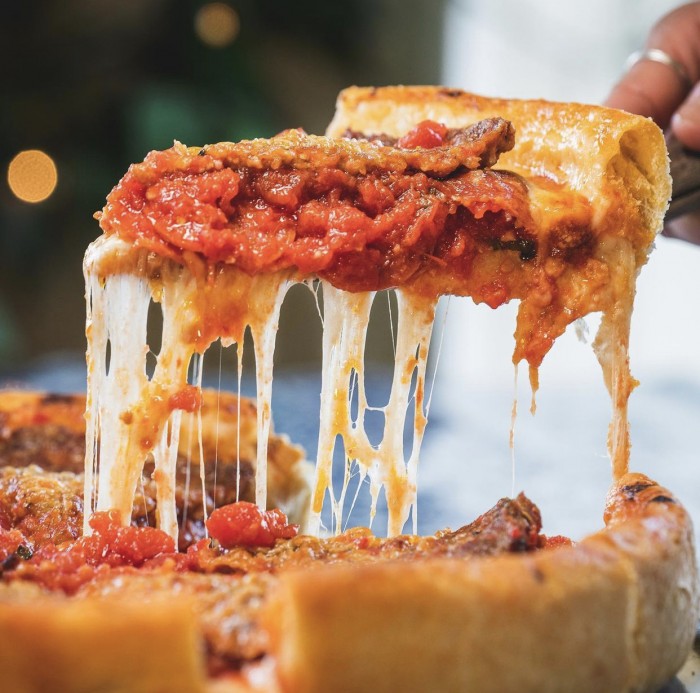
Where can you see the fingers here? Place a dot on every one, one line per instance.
(647, 90)
(685, 122)
(664, 91)
(657, 90)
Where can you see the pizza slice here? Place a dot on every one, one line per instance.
(424, 190)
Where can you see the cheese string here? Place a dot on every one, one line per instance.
(239, 394)
(511, 435)
(611, 347)
(198, 371)
(216, 432)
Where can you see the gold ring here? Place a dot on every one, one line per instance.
(656, 55)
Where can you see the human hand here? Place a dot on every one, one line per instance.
(663, 84)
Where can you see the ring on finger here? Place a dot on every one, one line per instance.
(656, 55)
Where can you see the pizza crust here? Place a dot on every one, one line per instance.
(617, 160)
(84, 646)
(615, 613)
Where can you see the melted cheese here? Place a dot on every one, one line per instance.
(346, 317)
(611, 346)
(267, 301)
(131, 415)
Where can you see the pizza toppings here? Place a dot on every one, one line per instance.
(244, 524)
(13, 548)
(244, 539)
(368, 225)
(427, 134)
(231, 576)
(110, 545)
(384, 221)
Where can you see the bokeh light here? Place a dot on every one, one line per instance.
(217, 24)
(32, 175)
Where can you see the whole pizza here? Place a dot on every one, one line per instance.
(159, 536)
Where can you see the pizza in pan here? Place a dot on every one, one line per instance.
(142, 570)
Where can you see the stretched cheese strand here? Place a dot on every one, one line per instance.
(267, 297)
(96, 334)
(345, 321)
(130, 416)
(416, 320)
(165, 460)
(513, 419)
(346, 317)
(117, 382)
(239, 381)
(198, 361)
(611, 346)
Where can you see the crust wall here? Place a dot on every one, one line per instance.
(615, 613)
(611, 157)
(78, 646)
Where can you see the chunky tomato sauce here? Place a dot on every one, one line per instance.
(189, 399)
(425, 212)
(244, 539)
(367, 221)
(426, 134)
(244, 524)
(68, 566)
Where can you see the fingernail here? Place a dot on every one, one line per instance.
(686, 127)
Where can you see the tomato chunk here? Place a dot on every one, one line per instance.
(244, 524)
(189, 399)
(556, 541)
(116, 545)
(427, 134)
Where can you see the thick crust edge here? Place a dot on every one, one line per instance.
(616, 159)
(615, 613)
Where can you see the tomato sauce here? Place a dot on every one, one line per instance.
(426, 134)
(244, 524)
(371, 223)
(67, 567)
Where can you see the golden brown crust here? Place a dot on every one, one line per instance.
(101, 645)
(610, 156)
(615, 613)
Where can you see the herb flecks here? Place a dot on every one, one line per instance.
(526, 247)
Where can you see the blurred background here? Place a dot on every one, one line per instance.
(96, 84)
(89, 86)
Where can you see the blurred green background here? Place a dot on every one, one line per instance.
(96, 84)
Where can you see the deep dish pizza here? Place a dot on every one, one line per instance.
(424, 191)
